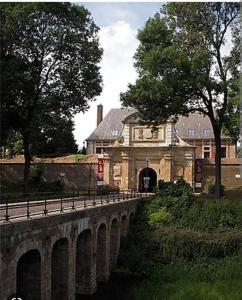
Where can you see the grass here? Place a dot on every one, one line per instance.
(208, 280)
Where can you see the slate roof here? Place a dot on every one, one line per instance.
(111, 122)
(195, 121)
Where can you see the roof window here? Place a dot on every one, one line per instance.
(114, 133)
(191, 132)
(206, 132)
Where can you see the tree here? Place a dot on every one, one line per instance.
(53, 135)
(183, 66)
(50, 58)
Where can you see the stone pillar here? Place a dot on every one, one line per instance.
(72, 269)
(125, 172)
(46, 271)
(189, 167)
(8, 270)
(107, 170)
(166, 167)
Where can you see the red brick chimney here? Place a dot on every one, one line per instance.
(99, 114)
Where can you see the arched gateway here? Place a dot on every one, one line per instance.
(147, 180)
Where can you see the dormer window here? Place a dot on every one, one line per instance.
(191, 132)
(206, 132)
(114, 133)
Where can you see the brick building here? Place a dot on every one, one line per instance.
(134, 154)
(195, 130)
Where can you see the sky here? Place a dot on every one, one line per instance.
(119, 24)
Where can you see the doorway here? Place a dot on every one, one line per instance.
(147, 180)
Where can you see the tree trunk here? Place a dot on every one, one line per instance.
(217, 137)
(27, 159)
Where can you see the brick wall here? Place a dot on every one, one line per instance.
(77, 175)
(231, 170)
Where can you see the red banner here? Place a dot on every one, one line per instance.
(198, 173)
(100, 168)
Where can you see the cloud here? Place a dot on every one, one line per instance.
(119, 43)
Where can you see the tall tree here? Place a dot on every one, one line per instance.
(184, 66)
(50, 58)
(53, 135)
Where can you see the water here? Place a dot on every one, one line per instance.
(119, 287)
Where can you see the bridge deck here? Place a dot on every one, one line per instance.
(16, 212)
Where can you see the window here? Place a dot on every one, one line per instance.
(191, 132)
(206, 132)
(114, 133)
(98, 150)
(223, 152)
(206, 152)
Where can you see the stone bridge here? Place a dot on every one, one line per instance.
(58, 257)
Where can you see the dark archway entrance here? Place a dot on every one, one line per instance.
(147, 180)
(59, 276)
(29, 276)
(101, 258)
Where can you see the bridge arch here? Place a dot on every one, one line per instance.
(59, 270)
(29, 275)
(84, 262)
(123, 226)
(114, 242)
(101, 253)
(131, 217)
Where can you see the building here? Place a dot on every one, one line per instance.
(136, 156)
(197, 130)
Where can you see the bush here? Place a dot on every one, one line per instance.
(35, 176)
(106, 189)
(211, 189)
(52, 187)
(174, 189)
(183, 243)
(161, 217)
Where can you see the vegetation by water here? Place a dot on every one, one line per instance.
(183, 247)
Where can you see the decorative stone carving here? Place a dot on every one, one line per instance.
(116, 170)
(149, 134)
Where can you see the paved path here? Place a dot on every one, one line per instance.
(35, 209)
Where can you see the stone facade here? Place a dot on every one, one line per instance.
(143, 152)
(66, 254)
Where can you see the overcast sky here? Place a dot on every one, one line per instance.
(118, 23)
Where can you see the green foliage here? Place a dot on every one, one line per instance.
(106, 189)
(36, 172)
(80, 157)
(176, 197)
(161, 217)
(205, 280)
(182, 67)
(211, 189)
(49, 72)
(166, 230)
(55, 186)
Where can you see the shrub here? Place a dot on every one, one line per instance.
(106, 189)
(52, 187)
(211, 189)
(36, 172)
(161, 217)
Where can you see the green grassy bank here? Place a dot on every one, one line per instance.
(183, 247)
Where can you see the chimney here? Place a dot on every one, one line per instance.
(99, 114)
